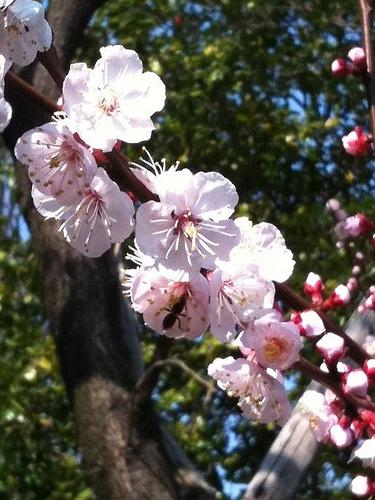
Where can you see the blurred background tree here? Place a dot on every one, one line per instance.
(249, 94)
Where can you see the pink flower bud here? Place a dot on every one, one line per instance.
(333, 204)
(356, 270)
(357, 143)
(309, 323)
(358, 57)
(361, 486)
(372, 289)
(359, 257)
(340, 436)
(370, 302)
(331, 348)
(338, 298)
(352, 284)
(356, 383)
(358, 225)
(339, 67)
(314, 287)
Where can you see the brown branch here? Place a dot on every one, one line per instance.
(18, 83)
(51, 61)
(120, 172)
(315, 373)
(366, 16)
(293, 300)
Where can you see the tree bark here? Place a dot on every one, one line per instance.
(94, 328)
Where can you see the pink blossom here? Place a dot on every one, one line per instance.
(331, 347)
(102, 216)
(309, 323)
(356, 383)
(338, 67)
(263, 246)
(173, 302)
(59, 166)
(357, 143)
(320, 415)
(115, 100)
(361, 486)
(237, 295)
(261, 394)
(189, 227)
(23, 31)
(276, 344)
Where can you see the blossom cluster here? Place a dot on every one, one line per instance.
(23, 33)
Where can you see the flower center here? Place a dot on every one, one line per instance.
(108, 101)
(274, 349)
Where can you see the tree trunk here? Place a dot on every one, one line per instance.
(95, 329)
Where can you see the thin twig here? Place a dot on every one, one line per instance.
(315, 373)
(146, 383)
(292, 299)
(42, 100)
(366, 16)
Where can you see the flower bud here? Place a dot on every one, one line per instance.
(361, 486)
(339, 67)
(369, 369)
(331, 348)
(340, 436)
(338, 298)
(356, 383)
(358, 57)
(357, 143)
(358, 225)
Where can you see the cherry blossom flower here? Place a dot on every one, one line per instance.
(59, 166)
(189, 227)
(263, 246)
(237, 296)
(357, 143)
(102, 216)
(261, 394)
(153, 173)
(113, 101)
(321, 418)
(276, 344)
(173, 302)
(331, 347)
(23, 31)
(5, 108)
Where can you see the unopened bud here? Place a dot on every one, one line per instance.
(358, 57)
(339, 67)
(357, 143)
(356, 383)
(331, 348)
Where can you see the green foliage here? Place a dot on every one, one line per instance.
(249, 93)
